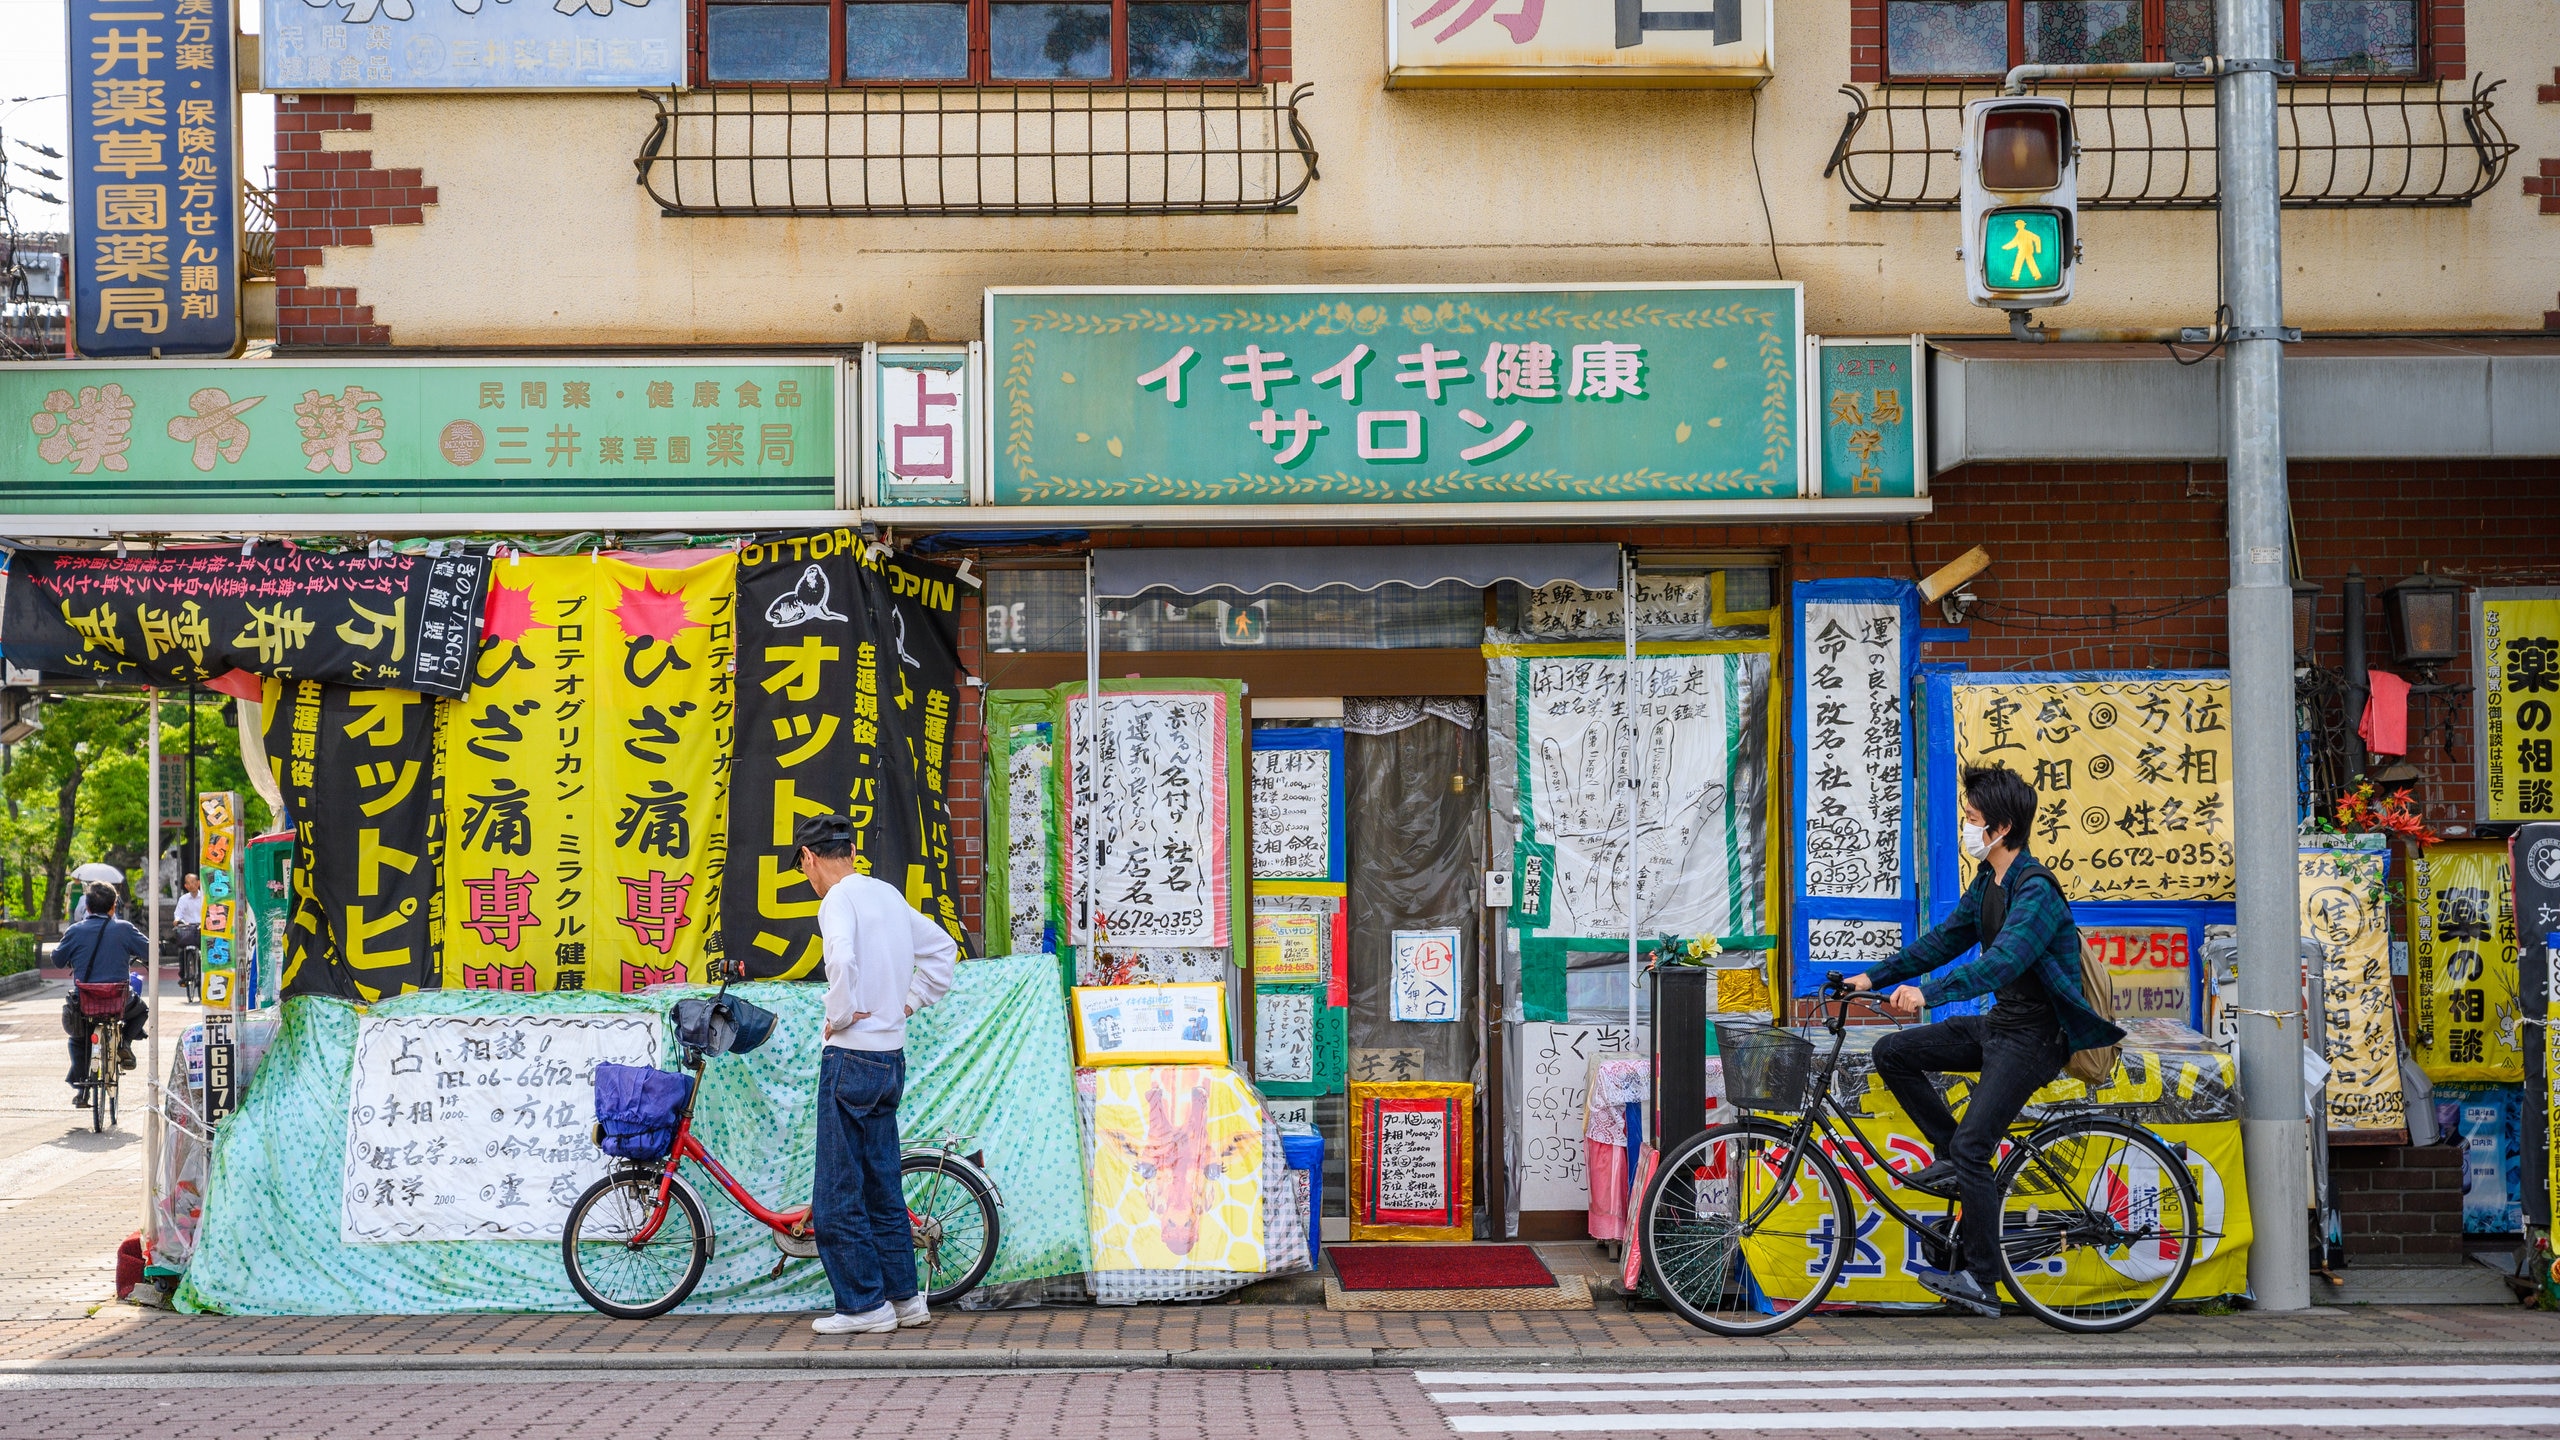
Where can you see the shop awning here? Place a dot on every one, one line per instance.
(1251, 570)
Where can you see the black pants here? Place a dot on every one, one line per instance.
(2011, 1065)
(76, 1025)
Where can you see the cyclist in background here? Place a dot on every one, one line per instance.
(99, 951)
(2030, 958)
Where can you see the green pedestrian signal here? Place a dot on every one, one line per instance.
(2022, 250)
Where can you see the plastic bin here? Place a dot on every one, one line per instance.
(1304, 1151)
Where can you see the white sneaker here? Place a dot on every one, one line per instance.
(869, 1322)
(912, 1312)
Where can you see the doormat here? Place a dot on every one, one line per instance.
(1567, 1292)
(1439, 1267)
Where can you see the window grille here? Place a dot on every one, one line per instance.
(2151, 147)
(978, 150)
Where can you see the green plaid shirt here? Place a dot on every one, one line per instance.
(2038, 936)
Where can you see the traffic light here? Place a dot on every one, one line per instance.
(2021, 188)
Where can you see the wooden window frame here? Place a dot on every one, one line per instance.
(2439, 25)
(1266, 22)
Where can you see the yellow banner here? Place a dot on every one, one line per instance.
(2519, 695)
(1883, 1253)
(2342, 900)
(587, 778)
(2463, 986)
(2131, 778)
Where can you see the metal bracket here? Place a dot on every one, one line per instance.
(2282, 334)
(2226, 65)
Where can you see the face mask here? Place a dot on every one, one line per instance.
(1976, 842)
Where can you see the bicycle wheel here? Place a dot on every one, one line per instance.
(631, 1281)
(954, 1214)
(102, 1076)
(2099, 1223)
(1740, 1229)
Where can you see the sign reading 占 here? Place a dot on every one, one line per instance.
(155, 195)
(1626, 42)
(1122, 398)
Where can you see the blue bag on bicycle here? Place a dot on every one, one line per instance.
(637, 1108)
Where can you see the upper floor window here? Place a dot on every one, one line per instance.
(1980, 39)
(860, 42)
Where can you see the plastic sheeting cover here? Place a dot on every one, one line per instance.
(989, 1062)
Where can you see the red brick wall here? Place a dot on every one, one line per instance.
(1274, 40)
(325, 198)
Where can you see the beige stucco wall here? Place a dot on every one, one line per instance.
(541, 238)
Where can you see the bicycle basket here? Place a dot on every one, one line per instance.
(103, 1000)
(726, 1025)
(637, 1108)
(1765, 1067)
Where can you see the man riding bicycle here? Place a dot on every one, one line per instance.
(2030, 958)
(100, 950)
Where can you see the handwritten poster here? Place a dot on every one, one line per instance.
(1700, 761)
(1555, 1094)
(1852, 703)
(467, 1127)
(1284, 1035)
(1665, 605)
(1413, 1160)
(1425, 977)
(1156, 769)
(2463, 984)
(1848, 946)
(1286, 948)
(2132, 777)
(2517, 677)
(2148, 968)
(1294, 794)
(1026, 846)
(2343, 912)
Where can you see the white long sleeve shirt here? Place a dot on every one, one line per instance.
(882, 959)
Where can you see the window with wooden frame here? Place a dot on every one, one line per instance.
(1982, 39)
(1000, 42)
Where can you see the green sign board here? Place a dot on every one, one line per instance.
(2022, 250)
(259, 439)
(1869, 396)
(1357, 396)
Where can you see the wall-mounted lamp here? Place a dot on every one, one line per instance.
(2306, 621)
(2426, 621)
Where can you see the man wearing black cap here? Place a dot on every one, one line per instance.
(884, 963)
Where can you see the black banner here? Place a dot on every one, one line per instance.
(848, 701)
(363, 780)
(176, 616)
(2534, 861)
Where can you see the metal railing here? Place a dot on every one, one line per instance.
(977, 150)
(2151, 146)
(257, 233)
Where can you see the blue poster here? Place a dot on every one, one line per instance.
(2489, 1120)
(471, 44)
(155, 197)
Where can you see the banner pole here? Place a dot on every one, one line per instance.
(1634, 796)
(151, 986)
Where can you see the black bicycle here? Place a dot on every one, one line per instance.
(1745, 1226)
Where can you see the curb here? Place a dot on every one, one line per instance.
(2100, 1348)
(20, 982)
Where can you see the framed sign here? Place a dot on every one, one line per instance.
(1425, 980)
(1412, 1160)
(1151, 1024)
(1622, 44)
(1870, 402)
(921, 442)
(155, 211)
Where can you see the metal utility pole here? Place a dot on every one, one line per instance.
(2272, 1128)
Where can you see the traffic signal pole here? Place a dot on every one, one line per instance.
(2273, 1128)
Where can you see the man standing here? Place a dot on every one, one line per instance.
(2031, 959)
(884, 963)
(99, 951)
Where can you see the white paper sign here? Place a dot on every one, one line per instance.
(1694, 707)
(1292, 814)
(1665, 605)
(1026, 858)
(1284, 1035)
(1851, 699)
(478, 1127)
(1157, 1024)
(1555, 1094)
(1849, 946)
(1425, 978)
(1285, 1112)
(1159, 778)
(1413, 1170)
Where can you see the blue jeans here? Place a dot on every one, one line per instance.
(860, 1207)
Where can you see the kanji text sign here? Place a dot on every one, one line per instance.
(1870, 396)
(155, 184)
(2516, 673)
(650, 435)
(470, 45)
(1112, 398)
(1599, 42)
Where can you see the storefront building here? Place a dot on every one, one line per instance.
(1326, 381)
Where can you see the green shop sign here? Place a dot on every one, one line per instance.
(1372, 396)
(1869, 396)
(646, 437)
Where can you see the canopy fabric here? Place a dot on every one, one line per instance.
(1120, 574)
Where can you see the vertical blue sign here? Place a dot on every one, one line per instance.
(155, 179)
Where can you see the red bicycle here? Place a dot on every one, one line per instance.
(637, 1241)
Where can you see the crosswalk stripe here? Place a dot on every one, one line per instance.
(1900, 1391)
(2444, 1417)
(1868, 1375)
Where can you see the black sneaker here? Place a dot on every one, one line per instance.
(1961, 1289)
(1938, 1178)
(125, 1057)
